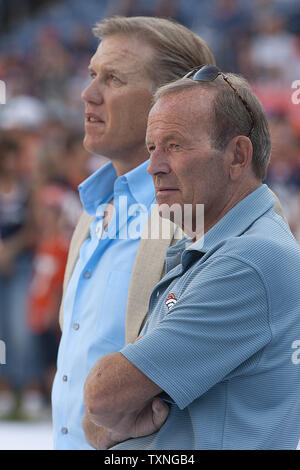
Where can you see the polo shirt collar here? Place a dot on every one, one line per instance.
(99, 188)
(235, 222)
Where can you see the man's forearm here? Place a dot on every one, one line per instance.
(122, 399)
(115, 388)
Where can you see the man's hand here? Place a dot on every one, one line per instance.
(98, 437)
(150, 419)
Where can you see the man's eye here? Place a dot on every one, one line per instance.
(174, 146)
(115, 79)
(151, 148)
(92, 75)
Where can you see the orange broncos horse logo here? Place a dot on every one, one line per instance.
(170, 301)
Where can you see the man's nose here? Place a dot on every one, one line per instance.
(158, 163)
(92, 93)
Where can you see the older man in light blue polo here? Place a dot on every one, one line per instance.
(218, 362)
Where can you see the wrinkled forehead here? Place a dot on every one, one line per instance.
(127, 53)
(191, 108)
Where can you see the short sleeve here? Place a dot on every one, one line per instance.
(218, 323)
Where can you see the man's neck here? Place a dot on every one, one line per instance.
(231, 202)
(129, 162)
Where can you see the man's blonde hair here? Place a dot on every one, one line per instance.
(176, 49)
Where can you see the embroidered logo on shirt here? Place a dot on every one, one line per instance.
(170, 301)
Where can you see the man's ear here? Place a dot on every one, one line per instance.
(239, 153)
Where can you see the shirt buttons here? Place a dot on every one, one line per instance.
(65, 378)
(87, 274)
(76, 326)
(64, 430)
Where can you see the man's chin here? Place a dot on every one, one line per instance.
(172, 211)
(92, 146)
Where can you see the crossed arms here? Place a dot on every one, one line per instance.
(121, 403)
(124, 401)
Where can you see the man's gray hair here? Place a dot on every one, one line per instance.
(230, 118)
(176, 49)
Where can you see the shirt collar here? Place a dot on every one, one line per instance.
(99, 188)
(234, 223)
(140, 184)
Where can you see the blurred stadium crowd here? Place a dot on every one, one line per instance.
(45, 48)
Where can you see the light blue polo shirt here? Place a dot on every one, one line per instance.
(96, 297)
(222, 337)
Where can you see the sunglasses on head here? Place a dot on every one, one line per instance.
(208, 73)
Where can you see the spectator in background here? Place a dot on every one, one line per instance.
(273, 51)
(65, 162)
(74, 161)
(51, 76)
(47, 280)
(230, 23)
(34, 153)
(284, 172)
(79, 47)
(16, 244)
(225, 25)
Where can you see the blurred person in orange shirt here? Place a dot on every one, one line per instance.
(50, 258)
(48, 273)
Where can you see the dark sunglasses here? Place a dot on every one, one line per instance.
(208, 73)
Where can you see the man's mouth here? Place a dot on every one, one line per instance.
(165, 190)
(93, 118)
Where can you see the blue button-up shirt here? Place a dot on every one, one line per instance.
(96, 297)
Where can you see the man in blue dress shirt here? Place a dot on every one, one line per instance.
(135, 56)
(218, 359)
